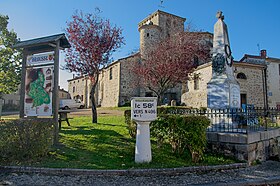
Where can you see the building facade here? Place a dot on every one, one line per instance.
(63, 94)
(117, 82)
(257, 75)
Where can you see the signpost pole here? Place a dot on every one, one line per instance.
(22, 86)
(55, 93)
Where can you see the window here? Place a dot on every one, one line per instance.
(241, 76)
(110, 74)
(148, 34)
(196, 82)
(10, 102)
(187, 86)
(73, 89)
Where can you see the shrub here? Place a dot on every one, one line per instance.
(182, 132)
(25, 139)
(131, 125)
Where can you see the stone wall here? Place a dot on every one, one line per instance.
(109, 86)
(169, 23)
(157, 27)
(128, 80)
(149, 37)
(77, 88)
(197, 98)
(251, 147)
(252, 86)
(273, 83)
(62, 94)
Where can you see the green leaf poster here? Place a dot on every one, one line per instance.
(38, 91)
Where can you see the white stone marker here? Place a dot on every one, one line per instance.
(223, 90)
(143, 111)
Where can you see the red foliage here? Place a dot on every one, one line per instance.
(170, 62)
(93, 40)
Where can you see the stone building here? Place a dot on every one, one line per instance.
(271, 73)
(249, 72)
(63, 94)
(117, 83)
(79, 89)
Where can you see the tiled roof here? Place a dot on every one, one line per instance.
(44, 40)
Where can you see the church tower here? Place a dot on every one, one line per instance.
(157, 27)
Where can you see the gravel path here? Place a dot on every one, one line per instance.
(267, 173)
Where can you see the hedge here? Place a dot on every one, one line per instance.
(25, 139)
(182, 132)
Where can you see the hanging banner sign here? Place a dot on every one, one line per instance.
(38, 91)
(40, 59)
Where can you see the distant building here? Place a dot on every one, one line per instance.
(11, 99)
(63, 94)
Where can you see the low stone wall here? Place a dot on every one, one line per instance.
(254, 146)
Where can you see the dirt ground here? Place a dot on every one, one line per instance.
(100, 112)
(78, 112)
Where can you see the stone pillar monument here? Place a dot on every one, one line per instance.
(223, 90)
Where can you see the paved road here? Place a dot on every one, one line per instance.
(267, 173)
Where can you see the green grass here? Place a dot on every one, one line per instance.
(107, 145)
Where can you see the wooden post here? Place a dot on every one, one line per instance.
(55, 93)
(22, 86)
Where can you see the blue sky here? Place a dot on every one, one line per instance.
(250, 22)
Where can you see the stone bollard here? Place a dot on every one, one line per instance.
(143, 153)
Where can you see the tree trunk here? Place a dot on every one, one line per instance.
(93, 104)
(161, 98)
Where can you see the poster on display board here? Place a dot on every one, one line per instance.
(38, 91)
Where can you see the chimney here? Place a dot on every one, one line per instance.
(263, 53)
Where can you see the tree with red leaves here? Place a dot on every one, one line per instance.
(93, 40)
(171, 61)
